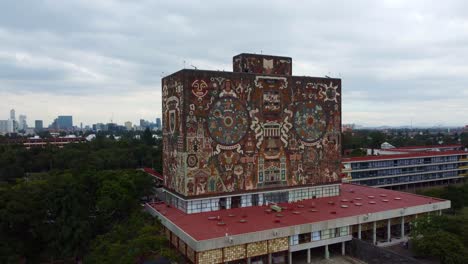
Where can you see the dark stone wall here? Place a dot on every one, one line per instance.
(226, 132)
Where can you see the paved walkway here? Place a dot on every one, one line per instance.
(332, 260)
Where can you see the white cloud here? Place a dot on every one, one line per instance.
(60, 57)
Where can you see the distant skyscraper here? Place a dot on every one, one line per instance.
(38, 125)
(6, 126)
(128, 125)
(22, 124)
(12, 115)
(158, 123)
(65, 122)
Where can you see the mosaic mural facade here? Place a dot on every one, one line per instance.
(236, 131)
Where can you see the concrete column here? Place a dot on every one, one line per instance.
(359, 231)
(308, 255)
(343, 248)
(402, 227)
(269, 258)
(290, 257)
(389, 231)
(249, 260)
(327, 253)
(440, 212)
(374, 232)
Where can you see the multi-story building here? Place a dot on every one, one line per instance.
(65, 122)
(252, 165)
(12, 115)
(43, 142)
(22, 122)
(408, 167)
(158, 123)
(38, 125)
(62, 123)
(128, 125)
(144, 124)
(6, 126)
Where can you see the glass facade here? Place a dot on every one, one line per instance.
(251, 199)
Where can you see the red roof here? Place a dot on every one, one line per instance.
(406, 155)
(427, 147)
(356, 197)
(154, 173)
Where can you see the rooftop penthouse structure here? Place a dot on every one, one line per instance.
(252, 168)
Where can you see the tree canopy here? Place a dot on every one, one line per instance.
(57, 216)
(445, 236)
(100, 154)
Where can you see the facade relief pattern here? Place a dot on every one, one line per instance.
(229, 132)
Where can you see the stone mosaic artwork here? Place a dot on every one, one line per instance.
(237, 131)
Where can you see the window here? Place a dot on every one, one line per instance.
(344, 231)
(304, 238)
(316, 236)
(294, 240)
(325, 234)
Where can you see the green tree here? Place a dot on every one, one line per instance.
(55, 216)
(464, 139)
(358, 153)
(23, 214)
(376, 138)
(137, 239)
(147, 137)
(430, 239)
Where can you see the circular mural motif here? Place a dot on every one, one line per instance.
(309, 121)
(192, 160)
(227, 121)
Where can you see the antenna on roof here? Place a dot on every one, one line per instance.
(194, 67)
(261, 51)
(184, 64)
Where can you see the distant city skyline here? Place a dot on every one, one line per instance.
(400, 62)
(47, 122)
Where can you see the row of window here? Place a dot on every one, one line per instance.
(309, 193)
(398, 171)
(402, 162)
(215, 204)
(407, 179)
(318, 235)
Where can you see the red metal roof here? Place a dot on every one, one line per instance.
(427, 147)
(406, 155)
(356, 197)
(154, 173)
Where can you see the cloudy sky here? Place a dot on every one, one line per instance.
(400, 61)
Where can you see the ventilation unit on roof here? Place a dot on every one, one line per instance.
(276, 208)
